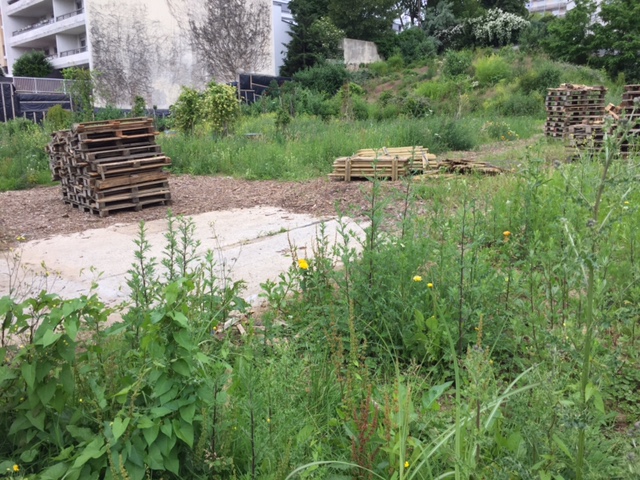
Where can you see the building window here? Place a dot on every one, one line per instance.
(78, 4)
(83, 41)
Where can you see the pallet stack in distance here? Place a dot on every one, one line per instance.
(390, 163)
(112, 165)
(573, 105)
(630, 110)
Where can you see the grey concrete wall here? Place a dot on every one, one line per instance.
(357, 52)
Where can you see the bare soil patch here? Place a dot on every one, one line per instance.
(41, 213)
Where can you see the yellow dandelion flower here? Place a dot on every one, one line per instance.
(429, 285)
(303, 264)
(417, 278)
(506, 233)
(16, 468)
(406, 464)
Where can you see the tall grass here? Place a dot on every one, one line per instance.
(23, 162)
(308, 147)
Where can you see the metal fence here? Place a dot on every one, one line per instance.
(41, 85)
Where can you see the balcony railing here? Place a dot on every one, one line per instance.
(41, 23)
(70, 14)
(49, 21)
(41, 85)
(75, 51)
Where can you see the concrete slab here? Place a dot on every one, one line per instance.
(252, 244)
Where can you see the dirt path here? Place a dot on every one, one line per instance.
(40, 212)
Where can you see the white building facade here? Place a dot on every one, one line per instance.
(64, 29)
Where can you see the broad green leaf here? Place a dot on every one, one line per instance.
(151, 434)
(28, 455)
(184, 432)
(188, 412)
(172, 463)
(94, 450)
(589, 391)
(597, 401)
(29, 373)
(181, 367)
(81, 434)
(180, 318)
(49, 338)
(119, 427)
(154, 458)
(36, 420)
(45, 392)
(55, 472)
(432, 323)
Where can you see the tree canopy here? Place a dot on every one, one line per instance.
(32, 64)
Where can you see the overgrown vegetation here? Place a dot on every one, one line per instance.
(502, 344)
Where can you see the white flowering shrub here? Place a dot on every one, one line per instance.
(493, 29)
(497, 28)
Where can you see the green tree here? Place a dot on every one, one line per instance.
(364, 19)
(617, 38)
(306, 47)
(32, 64)
(570, 38)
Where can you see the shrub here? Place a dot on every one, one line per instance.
(517, 104)
(139, 108)
(58, 118)
(185, 113)
(490, 70)
(395, 63)
(457, 63)
(457, 135)
(325, 78)
(108, 113)
(220, 108)
(438, 90)
(499, 131)
(414, 44)
(379, 69)
(32, 64)
(539, 81)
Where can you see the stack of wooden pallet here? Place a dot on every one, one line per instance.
(630, 111)
(385, 163)
(584, 138)
(111, 165)
(573, 105)
(452, 167)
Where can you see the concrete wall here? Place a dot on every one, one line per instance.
(357, 52)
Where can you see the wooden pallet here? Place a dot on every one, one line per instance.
(108, 166)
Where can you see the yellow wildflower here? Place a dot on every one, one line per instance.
(417, 278)
(506, 233)
(268, 420)
(406, 464)
(303, 264)
(626, 202)
(429, 285)
(16, 468)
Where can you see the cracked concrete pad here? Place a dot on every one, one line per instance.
(254, 244)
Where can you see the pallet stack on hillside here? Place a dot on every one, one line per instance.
(385, 163)
(111, 165)
(630, 110)
(573, 105)
(623, 120)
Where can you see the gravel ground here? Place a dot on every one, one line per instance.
(41, 213)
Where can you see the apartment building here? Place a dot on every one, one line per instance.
(77, 33)
(56, 27)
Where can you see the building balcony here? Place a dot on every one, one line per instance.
(70, 58)
(60, 24)
(15, 6)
